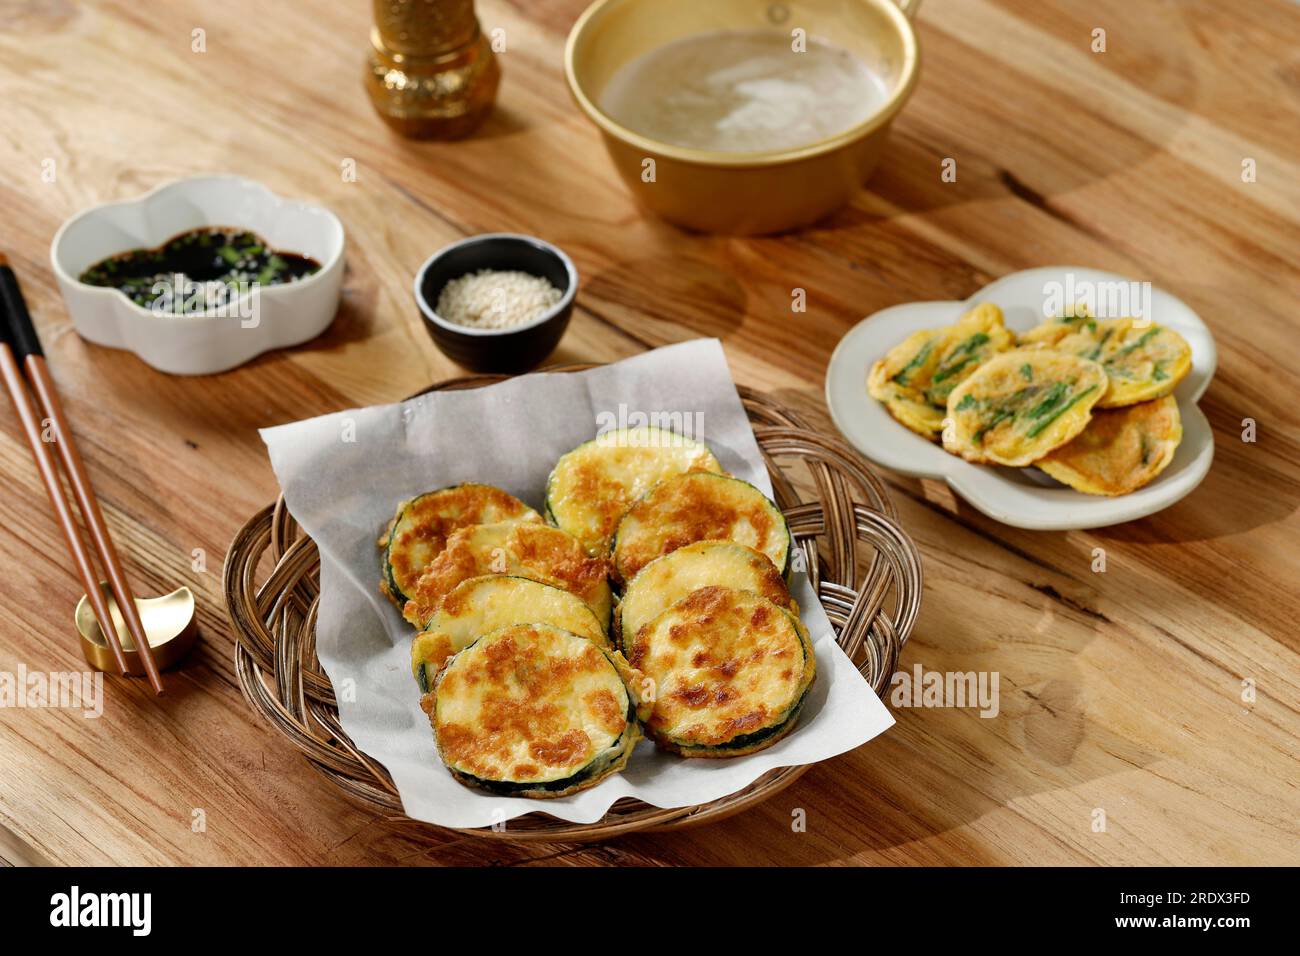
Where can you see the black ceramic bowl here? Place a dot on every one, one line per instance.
(516, 349)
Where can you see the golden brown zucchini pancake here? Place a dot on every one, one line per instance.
(421, 525)
(479, 605)
(729, 671)
(915, 377)
(533, 711)
(1022, 404)
(591, 486)
(666, 580)
(1121, 450)
(1143, 360)
(699, 506)
(535, 551)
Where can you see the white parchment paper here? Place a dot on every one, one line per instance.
(343, 475)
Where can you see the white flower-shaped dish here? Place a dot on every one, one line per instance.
(285, 315)
(1023, 498)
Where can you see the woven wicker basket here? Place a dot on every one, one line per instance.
(853, 549)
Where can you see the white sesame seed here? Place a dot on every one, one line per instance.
(488, 299)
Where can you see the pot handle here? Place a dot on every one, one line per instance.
(909, 7)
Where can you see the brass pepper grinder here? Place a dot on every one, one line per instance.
(431, 72)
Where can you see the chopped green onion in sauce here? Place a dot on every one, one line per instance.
(226, 262)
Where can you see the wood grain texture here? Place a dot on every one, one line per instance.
(1120, 691)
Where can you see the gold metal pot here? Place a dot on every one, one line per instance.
(743, 193)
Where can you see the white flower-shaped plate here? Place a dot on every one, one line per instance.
(287, 314)
(1023, 498)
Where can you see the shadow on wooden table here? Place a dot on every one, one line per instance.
(1249, 486)
(684, 295)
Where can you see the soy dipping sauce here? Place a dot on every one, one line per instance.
(226, 261)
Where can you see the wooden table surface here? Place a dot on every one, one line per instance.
(1121, 692)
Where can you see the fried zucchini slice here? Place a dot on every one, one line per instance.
(1144, 361)
(730, 671)
(420, 527)
(535, 551)
(1022, 404)
(1121, 450)
(531, 710)
(699, 506)
(488, 603)
(591, 486)
(666, 580)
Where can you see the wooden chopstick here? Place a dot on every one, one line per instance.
(21, 336)
(50, 477)
(38, 374)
